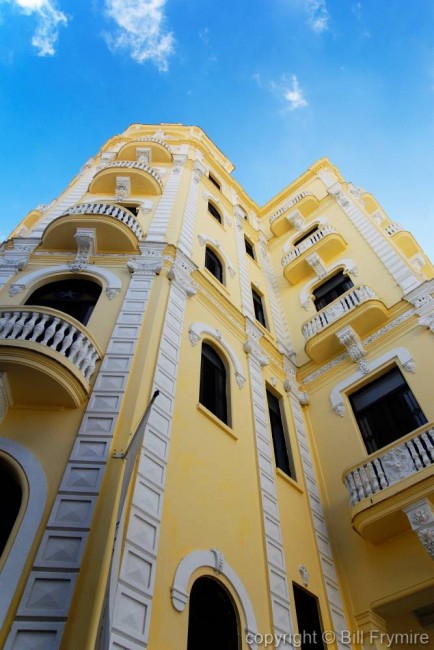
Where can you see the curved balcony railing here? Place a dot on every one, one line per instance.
(135, 165)
(386, 468)
(336, 309)
(110, 210)
(392, 228)
(307, 243)
(295, 199)
(53, 332)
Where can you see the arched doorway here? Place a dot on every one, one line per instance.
(10, 503)
(212, 620)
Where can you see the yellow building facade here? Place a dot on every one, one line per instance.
(279, 491)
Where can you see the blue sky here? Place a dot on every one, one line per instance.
(276, 84)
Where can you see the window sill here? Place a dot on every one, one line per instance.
(216, 283)
(289, 480)
(227, 429)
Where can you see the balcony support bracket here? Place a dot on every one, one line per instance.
(421, 517)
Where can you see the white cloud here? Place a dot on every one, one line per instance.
(319, 16)
(140, 30)
(294, 95)
(49, 18)
(291, 93)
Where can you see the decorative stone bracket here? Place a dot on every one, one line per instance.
(180, 274)
(291, 385)
(421, 518)
(149, 263)
(423, 300)
(86, 244)
(252, 345)
(123, 188)
(357, 353)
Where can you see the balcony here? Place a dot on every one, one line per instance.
(159, 151)
(286, 217)
(49, 356)
(142, 179)
(403, 239)
(116, 228)
(324, 241)
(389, 480)
(358, 307)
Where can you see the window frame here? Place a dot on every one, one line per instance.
(214, 181)
(210, 253)
(247, 242)
(259, 307)
(222, 409)
(280, 438)
(373, 440)
(215, 213)
(328, 281)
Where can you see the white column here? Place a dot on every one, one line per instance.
(44, 606)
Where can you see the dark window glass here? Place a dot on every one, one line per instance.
(214, 181)
(259, 308)
(249, 249)
(215, 213)
(386, 410)
(213, 383)
(213, 264)
(308, 619)
(74, 297)
(212, 619)
(305, 236)
(282, 454)
(331, 290)
(134, 208)
(9, 503)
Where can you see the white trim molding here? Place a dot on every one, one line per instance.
(215, 560)
(204, 239)
(306, 295)
(110, 279)
(402, 354)
(198, 330)
(37, 496)
(320, 221)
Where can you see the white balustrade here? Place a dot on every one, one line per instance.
(307, 243)
(392, 228)
(135, 165)
(336, 309)
(388, 468)
(110, 210)
(295, 199)
(52, 332)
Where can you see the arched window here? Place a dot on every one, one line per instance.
(331, 289)
(10, 502)
(213, 264)
(215, 213)
(212, 619)
(76, 297)
(213, 383)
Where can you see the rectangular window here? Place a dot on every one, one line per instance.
(386, 410)
(331, 290)
(259, 308)
(282, 453)
(249, 248)
(214, 181)
(308, 619)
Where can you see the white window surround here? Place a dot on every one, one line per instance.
(336, 396)
(37, 496)
(197, 331)
(110, 279)
(215, 560)
(204, 239)
(321, 221)
(306, 293)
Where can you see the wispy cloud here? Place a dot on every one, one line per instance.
(319, 17)
(49, 19)
(287, 90)
(294, 95)
(140, 31)
(205, 37)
